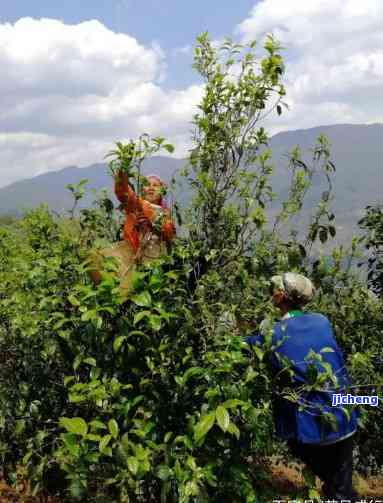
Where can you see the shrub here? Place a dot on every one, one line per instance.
(158, 398)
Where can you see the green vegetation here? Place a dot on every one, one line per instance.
(158, 398)
(372, 224)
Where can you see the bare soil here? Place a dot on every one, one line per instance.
(287, 479)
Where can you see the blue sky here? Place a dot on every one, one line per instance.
(173, 24)
(78, 75)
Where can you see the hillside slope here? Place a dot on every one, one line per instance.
(357, 152)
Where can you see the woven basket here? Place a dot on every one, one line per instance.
(150, 250)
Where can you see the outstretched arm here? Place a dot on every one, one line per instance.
(124, 191)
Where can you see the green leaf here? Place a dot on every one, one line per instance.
(75, 425)
(133, 464)
(90, 361)
(309, 477)
(323, 235)
(169, 148)
(97, 425)
(331, 419)
(27, 457)
(232, 428)
(155, 322)
(313, 234)
(203, 426)
(72, 299)
(142, 299)
(139, 316)
(191, 372)
(88, 315)
(71, 443)
(190, 462)
(164, 472)
(258, 351)
(68, 379)
(77, 490)
(302, 250)
(104, 443)
(107, 452)
(113, 428)
(137, 332)
(314, 495)
(234, 402)
(250, 375)
(223, 418)
(60, 323)
(191, 488)
(77, 362)
(76, 398)
(137, 279)
(118, 342)
(346, 412)
(332, 231)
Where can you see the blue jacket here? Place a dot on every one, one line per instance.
(294, 338)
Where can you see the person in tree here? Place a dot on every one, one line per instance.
(148, 229)
(326, 447)
(148, 224)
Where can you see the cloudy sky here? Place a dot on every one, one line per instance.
(76, 76)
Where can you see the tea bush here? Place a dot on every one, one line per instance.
(158, 398)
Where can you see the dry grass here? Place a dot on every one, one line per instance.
(21, 494)
(285, 480)
(289, 480)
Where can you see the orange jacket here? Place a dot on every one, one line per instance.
(135, 207)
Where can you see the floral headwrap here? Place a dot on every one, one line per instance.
(163, 202)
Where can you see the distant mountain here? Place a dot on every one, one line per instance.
(357, 151)
(50, 188)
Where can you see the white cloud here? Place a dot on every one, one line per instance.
(69, 91)
(334, 56)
